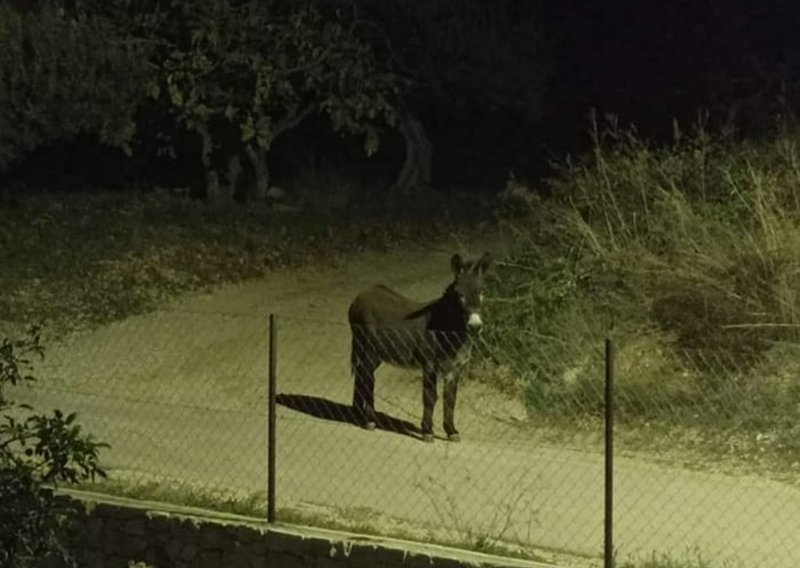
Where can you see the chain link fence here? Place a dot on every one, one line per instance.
(706, 460)
(501, 488)
(707, 452)
(180, 397)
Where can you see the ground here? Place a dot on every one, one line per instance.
(180, 394)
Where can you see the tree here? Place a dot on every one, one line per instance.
(460, 62)
(61, 77)
(37, 453)
(235, 76)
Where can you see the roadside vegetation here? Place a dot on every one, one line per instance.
(80, 260)
(688, 257)
(40, 450)
(363, 520)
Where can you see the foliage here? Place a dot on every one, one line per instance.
(37, 452)
(703, 233)
(237, 75)
(60, 77)
(664, 561)
(687, 255)
(79, 260)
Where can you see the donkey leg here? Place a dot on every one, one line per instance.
(365, 393)
(358, 391)
(364, 398)
(364, 386)
(356, 367)
(428, 403)
(371, 419)
(450, 393)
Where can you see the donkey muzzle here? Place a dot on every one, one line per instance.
(474, 322)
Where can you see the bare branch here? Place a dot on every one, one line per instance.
(291, 120)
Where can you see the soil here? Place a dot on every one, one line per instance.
(180, 395)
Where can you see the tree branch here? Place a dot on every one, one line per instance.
(7, 443)
(291, 120)
(310, 65)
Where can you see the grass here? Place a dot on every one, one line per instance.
(663, 561)
(360, 520)
(688, 256)
(82, 260)
(251, 505)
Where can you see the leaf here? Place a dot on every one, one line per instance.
(176, 97)
(248, 131)
(154, 90)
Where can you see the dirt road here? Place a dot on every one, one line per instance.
(181, 395)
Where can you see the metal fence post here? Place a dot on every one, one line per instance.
(271, 420)
(609, 453)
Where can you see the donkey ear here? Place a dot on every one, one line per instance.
(457, 263)
(484, 264)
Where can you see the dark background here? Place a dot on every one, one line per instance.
(648, 62)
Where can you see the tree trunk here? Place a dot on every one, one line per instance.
(232, 176)
(416, 171)
(258, 161)
(214, 194)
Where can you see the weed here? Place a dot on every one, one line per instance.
(689, 257)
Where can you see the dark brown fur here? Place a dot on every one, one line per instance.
(433, 336)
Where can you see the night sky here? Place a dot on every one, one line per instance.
(650, 61)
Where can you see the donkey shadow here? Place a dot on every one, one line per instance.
(337, 412)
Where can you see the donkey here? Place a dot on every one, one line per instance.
(433, 336)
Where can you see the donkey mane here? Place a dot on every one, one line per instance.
(426, 309)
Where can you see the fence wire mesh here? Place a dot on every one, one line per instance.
(506, 486)
(529, 470)
(707, 453)
(707, 440)
(181, 399)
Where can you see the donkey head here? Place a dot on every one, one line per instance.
(467, 288)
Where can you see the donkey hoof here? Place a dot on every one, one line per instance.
(370, 425)
(454, 437)
(428, 437)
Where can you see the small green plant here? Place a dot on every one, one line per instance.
(37, 453)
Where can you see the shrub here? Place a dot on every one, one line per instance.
(37, 452)
(688, 255)
(60, 77)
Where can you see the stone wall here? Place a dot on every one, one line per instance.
(117, 531)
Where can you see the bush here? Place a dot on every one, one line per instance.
(687, 255)
(61, 77)
(703, 234)
(37, 452)
(230, 78)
